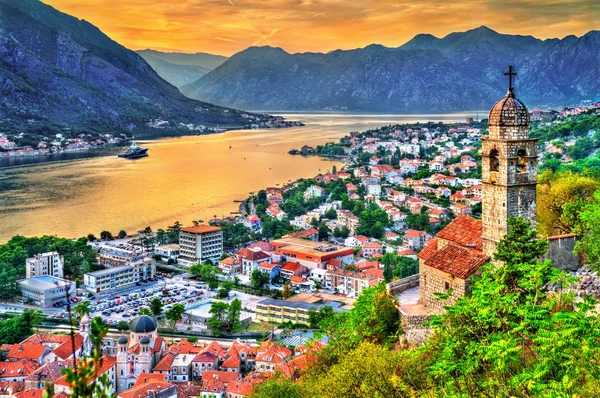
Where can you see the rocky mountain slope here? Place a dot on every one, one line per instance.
(460, 71)
(57, 71)
(180, 68)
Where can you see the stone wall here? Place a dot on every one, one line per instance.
(415, 333)
(560, 252)
(395, 287)
(433, 281)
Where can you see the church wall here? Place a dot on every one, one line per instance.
(432, 281)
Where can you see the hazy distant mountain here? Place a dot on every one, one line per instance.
(460, 71)
(180, 68)
(58, 71)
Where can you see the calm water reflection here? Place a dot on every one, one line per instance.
(183, 179)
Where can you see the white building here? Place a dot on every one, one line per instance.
(46, 290)
(120, 277)
(200, 243)
(166, 252)
(50, 263)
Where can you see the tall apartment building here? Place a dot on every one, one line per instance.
(200, 243)
(50, 263)
(115, 278)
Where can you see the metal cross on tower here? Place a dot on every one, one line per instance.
(511, 74)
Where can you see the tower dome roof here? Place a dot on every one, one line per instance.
(509, 111)
(145, 340)
(123, 340)
(143, 324)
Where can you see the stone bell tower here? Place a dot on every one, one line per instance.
(509, 168)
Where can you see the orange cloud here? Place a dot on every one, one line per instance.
(228, 26)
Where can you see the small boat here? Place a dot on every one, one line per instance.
(134, 152)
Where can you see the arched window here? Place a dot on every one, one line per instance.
(521, 161)
(494, 162)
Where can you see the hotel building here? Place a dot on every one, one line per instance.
(200, 243)
(120, 277)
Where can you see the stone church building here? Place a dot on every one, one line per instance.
(509, 179)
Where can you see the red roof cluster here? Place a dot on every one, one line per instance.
(457, 261)
(464, 231)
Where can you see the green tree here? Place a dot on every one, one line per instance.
(122, 234)
(589, 245)
(206, 272)
(259, 279)
(145, 311)
(287, 290)
(82, 308)
(278, 387)
(123, 325)
(387, 273)
(106, 235)
(156, 306)
(323, 231)
(233, 315)
(16, 329)
(374, 318)
(219, 311)
(315, 317)
(174, 314)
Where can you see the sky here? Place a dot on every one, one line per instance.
(227, 26)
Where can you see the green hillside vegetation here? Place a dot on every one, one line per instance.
(512, 337)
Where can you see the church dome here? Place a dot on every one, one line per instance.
(509, 111)
(143, 324)
(145, 340)
(123, 340)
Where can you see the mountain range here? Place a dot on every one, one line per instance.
(57, 72)
(180, 68)
(459, 71)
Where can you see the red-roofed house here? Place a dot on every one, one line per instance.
(253, 259)
(371, 248)
(414, 239)
(271, 354)
(28, 351)
(292, 269)
(203, 362)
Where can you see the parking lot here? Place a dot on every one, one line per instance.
(126, 304)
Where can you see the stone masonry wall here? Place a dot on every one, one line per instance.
(433, 281)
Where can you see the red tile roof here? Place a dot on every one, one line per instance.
(31, 393)
(270, 351)
(464, 231)
(413, 233)
(371, 245)
(429, 249)
(375, 273)
(148, 377)
(233, 361)
(28, 351)
(65, 350)
(457, 261)
(144, 390)
(256, 256)
(225, 377)
(165, 363)
(22, 368)
(201, 229)
(42, 338)
(291, 267)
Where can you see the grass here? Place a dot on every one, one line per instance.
(260, 327)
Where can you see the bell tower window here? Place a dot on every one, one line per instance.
(494, 162)
(521, 161)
